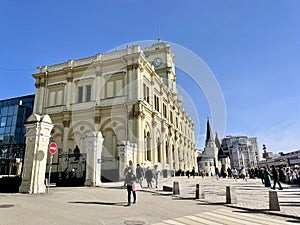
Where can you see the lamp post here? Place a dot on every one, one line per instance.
(265, 154)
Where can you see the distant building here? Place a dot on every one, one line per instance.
(212, 157)
(290, 159)
(13, 113)
(242, 150)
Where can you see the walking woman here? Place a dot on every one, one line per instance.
(129, 180)
(266, 176)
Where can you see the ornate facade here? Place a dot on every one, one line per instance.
(130, 96)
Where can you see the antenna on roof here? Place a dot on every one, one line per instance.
(158, 39)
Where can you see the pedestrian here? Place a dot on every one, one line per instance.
(129, 180)
(234, 173)
(139, 174)
(188, 173)
(266, 177)
(217, 172)
(156, 174)
(281, 175)
(229, 171)
(260, 175)
(193, 172)
(243, 173)
(275, 178)
(288, 176)
(125, 173)
(297, 174)
(149, 177)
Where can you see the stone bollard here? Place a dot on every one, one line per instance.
(273, 201)
(199, 192)
(230, 195)
(176, 188)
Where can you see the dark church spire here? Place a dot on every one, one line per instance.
(209, 135)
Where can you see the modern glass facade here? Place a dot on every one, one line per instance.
(13, 113)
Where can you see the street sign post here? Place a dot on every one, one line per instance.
(52, 150)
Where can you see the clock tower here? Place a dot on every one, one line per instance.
(162, 58)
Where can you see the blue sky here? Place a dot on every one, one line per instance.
(252, 47)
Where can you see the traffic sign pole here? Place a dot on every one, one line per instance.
(52, 150)
(51, 158)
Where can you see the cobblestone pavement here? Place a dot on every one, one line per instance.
(251, 194)
(225, 216)
(105, 205)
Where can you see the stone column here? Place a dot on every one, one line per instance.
(68, 91)
(38, 130)
(93, 145)
(66, 124)
(123, 159)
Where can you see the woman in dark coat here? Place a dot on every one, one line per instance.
(129, 180)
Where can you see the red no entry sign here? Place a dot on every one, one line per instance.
(52, 148)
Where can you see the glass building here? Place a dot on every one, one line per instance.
(13, 113)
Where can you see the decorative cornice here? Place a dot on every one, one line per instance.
(133, 66)
(69, 79)
(37, 85)
(97, 119)
(66, 123)
(129, 67)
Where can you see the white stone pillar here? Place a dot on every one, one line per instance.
(38, 130)
(123, 159)
(66, 124)
(68, 91)
(94, 143)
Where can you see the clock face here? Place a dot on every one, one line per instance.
(157, 62)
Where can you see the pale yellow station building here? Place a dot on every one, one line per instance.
(130, 97)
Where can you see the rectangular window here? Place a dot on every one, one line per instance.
(145, 92)
(52, 98)
(148, 95)
(165, 110)
(88, 92)
(171, 117)
(9, 121)
(80, 94)
(3, 121)
(4, 111)
(59, 97)
(10, 110)
(110, 89)
(119, 87)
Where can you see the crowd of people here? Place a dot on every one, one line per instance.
(268, 176)
(131, 179)
(277, 175)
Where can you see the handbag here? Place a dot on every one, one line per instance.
(136, 187)
(267, 183)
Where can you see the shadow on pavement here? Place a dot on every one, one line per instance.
(6, 206)
(293, 204)
(100, 203)
(293, 221)
(113, 187)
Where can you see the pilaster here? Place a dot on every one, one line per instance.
(94, 143)
(38, 130)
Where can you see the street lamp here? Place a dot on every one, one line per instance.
(265, 154)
